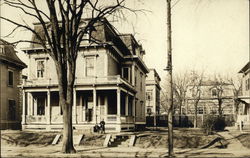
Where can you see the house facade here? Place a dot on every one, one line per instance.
(208, 101)
(244, 109)
(10, 75)
(153, 89)
(109, 84)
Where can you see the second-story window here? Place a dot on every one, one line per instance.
(90, 66)
(149, 96)
(141, 81)
(40, 69)
(248, 84)
(10, 78)
(125, 73)
(135, 76)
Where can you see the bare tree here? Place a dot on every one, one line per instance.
(61, 23)
(180, 86)
(220, 88)
(237, 90)
(196, 83)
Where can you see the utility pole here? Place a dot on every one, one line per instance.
(169, 82)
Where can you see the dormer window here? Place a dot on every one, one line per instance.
(40, 73)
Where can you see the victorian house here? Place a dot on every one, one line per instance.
(244, 108)
(10, 97)
(210, 93)
(153, 89)
(109, 85)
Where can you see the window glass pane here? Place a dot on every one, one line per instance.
(125, 73)
(89, 66)
(11, 80)
(40, 69)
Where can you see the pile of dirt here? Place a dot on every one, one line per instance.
(182, 139)
(28, 138)
(244, 139)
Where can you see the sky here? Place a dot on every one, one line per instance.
(207, 35)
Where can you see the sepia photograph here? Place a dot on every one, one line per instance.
(124, 78)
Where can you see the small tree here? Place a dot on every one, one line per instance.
(61, 22)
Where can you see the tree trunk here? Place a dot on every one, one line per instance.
(66, 101)
(180, 113)
(195, 113)
(68, 146)
(220, 108)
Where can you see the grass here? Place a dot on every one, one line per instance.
(27, 138)
(244, 139)
(183, 138)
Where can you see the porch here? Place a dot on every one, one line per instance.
(116, 107)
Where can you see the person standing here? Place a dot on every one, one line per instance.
(102, 124)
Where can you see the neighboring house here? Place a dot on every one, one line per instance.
(208, 103)
(10, 97)
(109, 85)
(244, 109)
(152, 96)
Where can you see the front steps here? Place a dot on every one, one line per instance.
(119, 140)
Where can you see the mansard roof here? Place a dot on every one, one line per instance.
(103, 32)
(9, 56)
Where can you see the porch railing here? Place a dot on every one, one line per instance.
(78, 81)
(243, 118)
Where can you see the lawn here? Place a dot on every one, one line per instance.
(183, 138)
(244, 139)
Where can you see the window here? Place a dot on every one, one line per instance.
(135, 76)
(41, 101)
(125, 73)
(214, 92)
(248, 84)
(90, 66)
(141, 81)
(149, 111)
(10, 78)
(1, 50)
(40, 68)
(149, 96)
(12, 110)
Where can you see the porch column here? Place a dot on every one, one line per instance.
(94, 102)
(74, 106)
(118, 102)
(30, 103)
(24, 109)
(126, 105)
(48, 110)
(134, 110)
